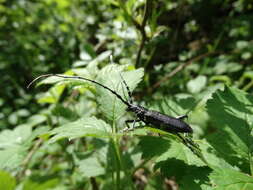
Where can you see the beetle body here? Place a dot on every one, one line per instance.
(159, 120)
(155, 118)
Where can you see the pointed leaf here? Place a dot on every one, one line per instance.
(91, 167)
(196, 178)
(225, 178)
(153, 146)
(15, 143)
(180, 152)
(197, 84)
(231, 114)
(41, 183)
(109, 76)
(12, 157)
(53, 95)
(80, 128)
(7, 182)
(10, 138)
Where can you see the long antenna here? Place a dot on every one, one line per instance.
(81, 78)
(128, 89)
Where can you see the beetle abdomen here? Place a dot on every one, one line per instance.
(165, 122)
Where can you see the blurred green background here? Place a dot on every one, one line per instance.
(52, 36)
(187, 48)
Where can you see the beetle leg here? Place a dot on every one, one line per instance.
(130, 121)
(182, 117)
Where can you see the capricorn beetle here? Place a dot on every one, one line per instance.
(149, 117)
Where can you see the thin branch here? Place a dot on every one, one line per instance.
(138, 58)
(179, 68)
(141, 28)
(30, 155)
(138, 26)
(94, 183)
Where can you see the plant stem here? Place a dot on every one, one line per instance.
(118, 164)
(138, 26)
(115, 142)
(29, 156)
(94, 183)
(179, 68)
(251, 164)
(248, 86)
(141, 28)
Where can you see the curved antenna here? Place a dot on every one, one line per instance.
(128, 89)
(81, 78)
(123, 90)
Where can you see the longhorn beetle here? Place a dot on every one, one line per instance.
(155, 118)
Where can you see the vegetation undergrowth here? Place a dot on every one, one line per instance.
(178, 57)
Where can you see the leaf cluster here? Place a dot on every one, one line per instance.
(68, 133)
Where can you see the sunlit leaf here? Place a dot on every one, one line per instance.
(225, 178)
(197, 84)
(231, 114)
(7, 182)
(109, 76)
(18, 136)
(53, 95)
(41, 183)
(80, 128)
(14, 145)
(12, 157)
(91, 167)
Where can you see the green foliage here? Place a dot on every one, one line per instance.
(80, 128)
(40, 183)
(232, 110)
(110, 77)
(227, 178)
(68, 133)
(7, 181)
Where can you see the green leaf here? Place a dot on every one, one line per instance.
(175, 106)
(51, 80)
(242, 44)
(197, 84)
(246, 55)
(53, 95)
(172, 168)
(14, 145)
(64, 113)
(40, 183)
(7, 182)
(187, 176)
(96, 161)
(91, 167)
(80, 128)
(220, 78)
(10, 138)
(211, 155)
(87, 52)
(153, 146)
(187, 169)
(225, 66)
(225, 178)
(109, 76)
(196, 178)
(36, 119)
(12, 157)
(231, 114)
(180, 152)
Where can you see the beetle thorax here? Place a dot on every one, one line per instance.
(136, 109)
